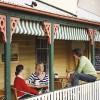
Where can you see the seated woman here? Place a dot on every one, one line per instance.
(39, 75)
(23, 90)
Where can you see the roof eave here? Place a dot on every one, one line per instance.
(32, 10)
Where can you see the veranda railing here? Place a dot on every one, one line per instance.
(88, 91)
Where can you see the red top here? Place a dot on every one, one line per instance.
(20, 85)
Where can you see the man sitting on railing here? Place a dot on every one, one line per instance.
(85, 71)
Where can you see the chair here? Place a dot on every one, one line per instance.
(2, 94)
(13, 93)
(57, 85)
(2, 97)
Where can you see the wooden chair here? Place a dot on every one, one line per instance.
(2, 94)
(13, 94)
(57, 85)
(2, 97)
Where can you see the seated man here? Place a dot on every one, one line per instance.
(85, 71)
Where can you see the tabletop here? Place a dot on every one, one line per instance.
(60, 79)
(38, 86)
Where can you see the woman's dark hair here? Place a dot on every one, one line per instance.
(78, 52)
(19, 68)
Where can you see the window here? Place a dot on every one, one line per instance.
(97, 59)
(42, 51)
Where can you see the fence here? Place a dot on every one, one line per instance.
(88, 91)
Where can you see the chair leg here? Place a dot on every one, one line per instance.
(2, 98)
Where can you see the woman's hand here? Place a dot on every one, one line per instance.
(27, 81)
(40, 92)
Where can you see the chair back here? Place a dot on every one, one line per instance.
(13, 93)
(2, 94)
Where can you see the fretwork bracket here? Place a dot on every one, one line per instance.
(47, 30)
(14, 22)
(91, 34)
(56, 26)
(3, 27)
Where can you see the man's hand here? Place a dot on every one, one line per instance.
(68, 75)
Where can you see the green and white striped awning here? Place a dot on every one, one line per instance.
(29, 28)
(71, 33)
(97, 36)
(64, 32)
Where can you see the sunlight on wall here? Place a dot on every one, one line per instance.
(67, 5)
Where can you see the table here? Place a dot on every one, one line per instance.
(39, 87)
(63, 80)
(60, 79)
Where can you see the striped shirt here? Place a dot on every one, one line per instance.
(34, 78)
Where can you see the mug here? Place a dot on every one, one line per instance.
(37, 82)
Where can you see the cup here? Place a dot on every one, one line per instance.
(37, 82)
(55, 75)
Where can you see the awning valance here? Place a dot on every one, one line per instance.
(29, 28)
(71, 33)
(64, 32)
(97, 36)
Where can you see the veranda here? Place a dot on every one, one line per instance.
(21, 25)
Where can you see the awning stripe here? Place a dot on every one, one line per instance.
(31, 28)
(27, 28)
(24, 27)
(71, 33)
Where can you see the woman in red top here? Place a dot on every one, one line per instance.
(23, 90)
